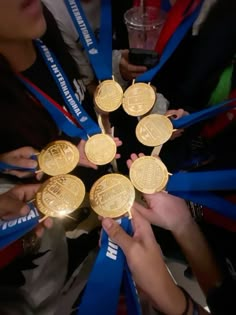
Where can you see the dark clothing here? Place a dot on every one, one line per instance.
(25, 122)
(221, 300)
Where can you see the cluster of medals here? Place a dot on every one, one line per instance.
(113, 194)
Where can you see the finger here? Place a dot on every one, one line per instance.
(19, 174)
(125, 53)
(136, 69)
(26, 162)
(117, 156)
(146, 213)
(117, 234)
(141, 154)
(48, 223)
(172, 113)
(39, 175)
(24, 192)
(18, 209)
(39, 231)
(118, 143)
(26, 152)
(133, 157)
(129, 163)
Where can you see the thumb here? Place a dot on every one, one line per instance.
(117, 234)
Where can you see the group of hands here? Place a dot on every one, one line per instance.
(141, 249)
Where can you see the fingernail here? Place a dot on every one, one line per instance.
(107, 223)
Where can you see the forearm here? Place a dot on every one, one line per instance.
(174, 301)
(199, 255)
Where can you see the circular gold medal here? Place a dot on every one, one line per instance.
(148, 174)
(112, 196)
(154, 130)
(139, 99)
(100, 149)
(59, 157)
(60, 195)
(108, 95)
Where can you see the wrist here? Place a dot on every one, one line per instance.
(183, 229)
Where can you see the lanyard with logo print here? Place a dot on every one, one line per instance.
(76, 123)
(12, 230)
(102, 292)
(108, 95)
(99, 53)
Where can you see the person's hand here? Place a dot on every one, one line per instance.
(13, 205)
(21, 158)
(164, 210)
(83, 161)
(146, 264)
(176, 114)
(129, 71)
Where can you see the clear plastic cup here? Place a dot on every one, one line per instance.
(144, 26)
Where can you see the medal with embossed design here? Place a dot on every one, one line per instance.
(60, 195)
(100, 149)
(139, 99)
(108, 95)
(112, 196)
(154, 130)
(58, 157)
(148, 174)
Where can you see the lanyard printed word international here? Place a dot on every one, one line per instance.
(110, 271)
(89, 127)
(108, 95)
(12, 230)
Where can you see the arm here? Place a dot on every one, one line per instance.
(198, 254)
(172, 213)
(146, 263)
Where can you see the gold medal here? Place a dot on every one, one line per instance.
(100, 149)
(148, 174)
(112, 196)
(108, 95)
(139, 99)
(59, 157)
(154, 130)
(60, 195)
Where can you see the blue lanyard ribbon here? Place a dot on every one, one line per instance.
(102, 292)
(12, 230)
(131, 294)
(206, 113)
(5, 166)
(198, 187)
(171, 46)
(72, 103)
(62, 122)
(100, 55)
(211, 201)
(202, 181)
